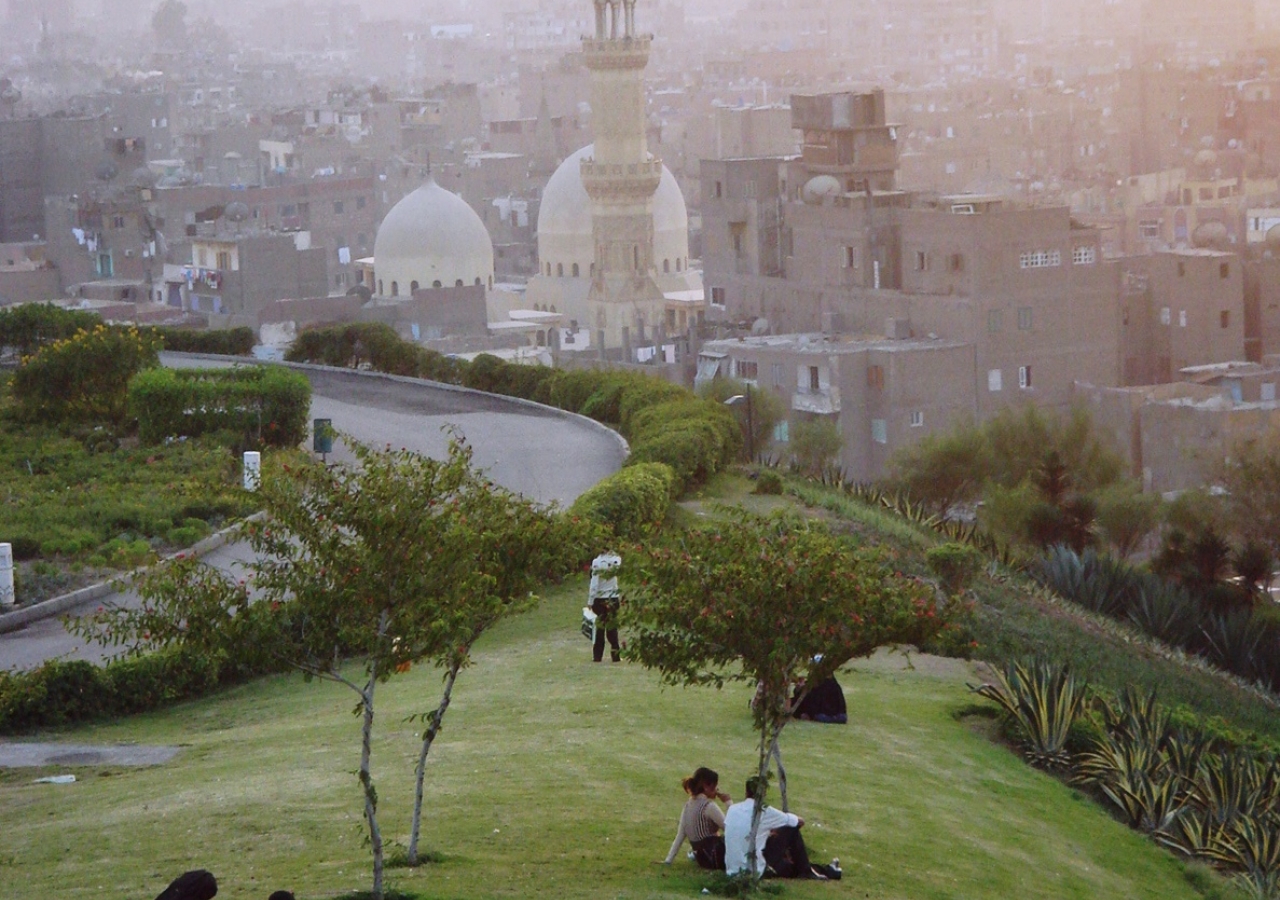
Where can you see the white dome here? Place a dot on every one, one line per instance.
(564, 222)
(434, 238)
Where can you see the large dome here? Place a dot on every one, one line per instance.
(431, 238)
(564, 222)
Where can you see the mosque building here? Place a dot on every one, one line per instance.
(612, 230)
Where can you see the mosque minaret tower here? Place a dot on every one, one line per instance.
(621, 178)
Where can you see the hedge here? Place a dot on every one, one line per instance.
(65, 692)
(630, 501)
(223, 342)
(262, 405)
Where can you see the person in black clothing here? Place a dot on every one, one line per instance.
(198, 884)
(825, 703)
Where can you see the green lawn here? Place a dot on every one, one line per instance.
(557, 777)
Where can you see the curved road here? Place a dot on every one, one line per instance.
(541, 453)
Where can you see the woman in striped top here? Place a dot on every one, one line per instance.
(701, 821)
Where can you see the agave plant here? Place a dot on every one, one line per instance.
(1253, 848)
(1096, 582)
(1234, 642)
(1194, 834)
(1165, 611)
(1044, 701)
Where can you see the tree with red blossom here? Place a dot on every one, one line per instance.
(767, 601)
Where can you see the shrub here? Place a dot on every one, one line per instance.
(691, 449)
(262, 405)
(955, 565)
(768, 482)
(222, 341)
(815, 443)
(83, 377)
(26, 327)
(631, 501)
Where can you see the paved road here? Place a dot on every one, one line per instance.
(537, 452)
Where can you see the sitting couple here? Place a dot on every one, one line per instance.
(720, 839)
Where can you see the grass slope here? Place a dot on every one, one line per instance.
(557, 777)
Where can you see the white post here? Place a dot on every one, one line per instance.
(252, 470)
(8, 599)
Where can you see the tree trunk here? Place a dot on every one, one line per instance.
(782, 773)
(429, 736)
(766, 750)
(366, 778)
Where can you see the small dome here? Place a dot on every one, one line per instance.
(431, 238)
(565, 227)
(819, 188)
(1209, 234)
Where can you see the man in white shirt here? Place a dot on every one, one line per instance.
(780, 850)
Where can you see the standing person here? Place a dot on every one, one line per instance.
(604, 599)
(701, 821)
(780, 850)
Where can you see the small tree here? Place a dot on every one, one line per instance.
(1126, 516)
(84, 377)
(944, 470)
(768, 602)
(815, 443)
(1251, 477)
(398, 559)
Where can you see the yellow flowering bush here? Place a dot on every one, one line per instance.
(84, 377)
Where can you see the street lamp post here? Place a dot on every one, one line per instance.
(751, 425)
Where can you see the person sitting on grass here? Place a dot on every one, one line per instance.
(701, 821)
(825, 703)
(780, 850)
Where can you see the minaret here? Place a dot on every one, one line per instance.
(625, 301)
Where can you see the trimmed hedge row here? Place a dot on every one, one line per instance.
(65, 692)
(267, 404)
(631, 501)
(373, 345)
(224, 341)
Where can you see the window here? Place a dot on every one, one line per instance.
(875, 378)
(458, 283)
(1182, 269)
(1150, 228)
(1267, 391)
(288, 209)
(995, 321)
(922, 261)
(745, 369)
(1039, 259)
(1084, 255)
(815, 382)
(117, 221)
(782, 432)
(737, 230)
(413, 286)
(395, 289)
(1206, 193)
(224, 260)
(955, 262)
(575, 270)
(1024, 377)
(778, 371)
(360, 202)
(559, 270)
(1024, 318)
(879, 431)
(993, 381)
(917, 418)
(1164, 315)
(850, 258)
(1224, 319)
(666, 267)
(1224, 270)
(719, 191)
(337, 206)
(717, 297)
(437, 283)
(1182, 318)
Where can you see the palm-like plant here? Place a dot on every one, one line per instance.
(1044, 701)
(1164, 610)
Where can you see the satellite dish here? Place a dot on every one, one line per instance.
(236, 211)
(106, 170)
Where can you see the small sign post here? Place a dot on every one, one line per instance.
(322, 437)
(8, 599)
(252, 470)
